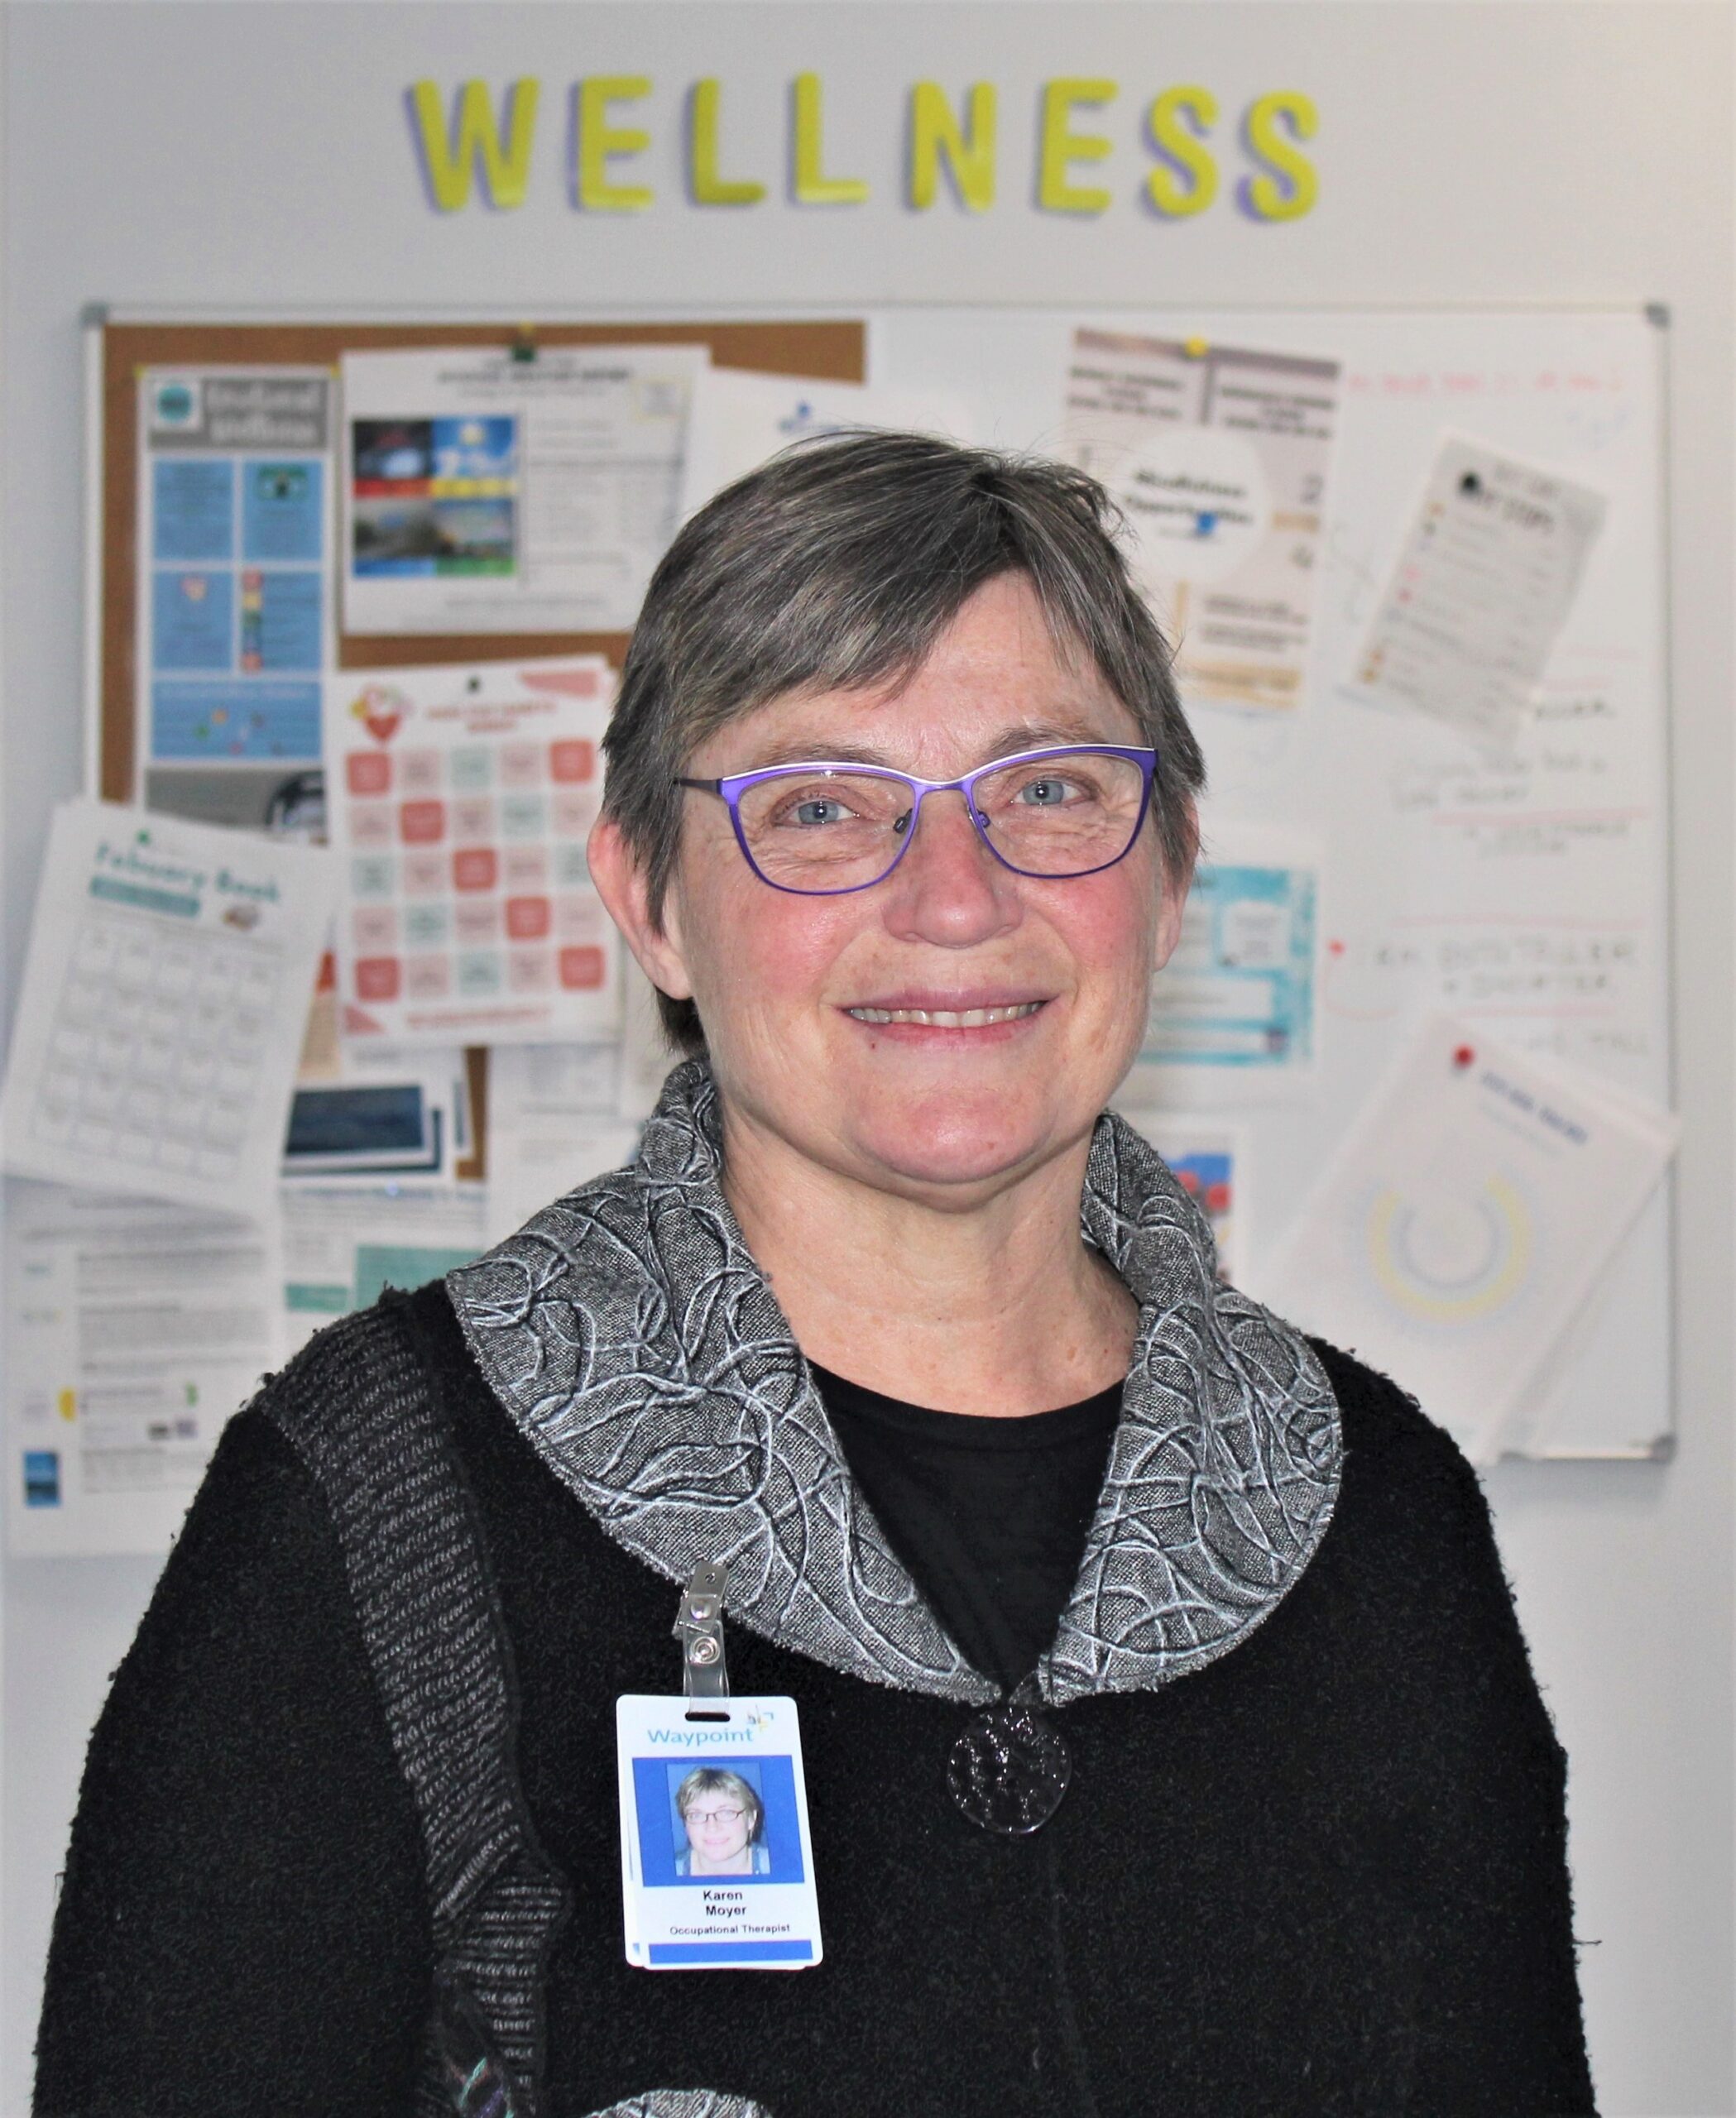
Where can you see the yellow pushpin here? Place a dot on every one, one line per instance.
(1197, 348)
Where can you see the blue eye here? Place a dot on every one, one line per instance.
(819, 811)
(1044, 793)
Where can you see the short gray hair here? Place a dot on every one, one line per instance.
(838, 565)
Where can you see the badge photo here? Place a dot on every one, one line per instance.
(716, 1862)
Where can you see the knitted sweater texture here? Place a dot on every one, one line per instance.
(1324, 1874)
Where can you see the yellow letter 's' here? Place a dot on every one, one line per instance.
(1060, 147)
(597, 140)
(449, 159)
(970, 153)
(812, 187)
(1178, 121)
(708, 189)
(1288, 186)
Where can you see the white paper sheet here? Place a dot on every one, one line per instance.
(1218, 456)
(1483, 586)
(484, 494)
(553, 1125)
(166, 995)
(461, 799)
(234, 589)
(1463, 1221)
(738, 418)
(133, 1331)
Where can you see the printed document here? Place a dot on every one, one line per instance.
(1218, 455)
(738, 418)
(460, 800)
(485, 493)
(165, 995)
(233, 590)
(133, 1331)
(1463, 1221)
(1484, 581)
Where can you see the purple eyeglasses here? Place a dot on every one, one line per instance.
(821, 830)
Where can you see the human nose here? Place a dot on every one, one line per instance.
(949, 890)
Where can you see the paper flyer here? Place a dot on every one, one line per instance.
(487, 493)
(166, 995)
(1464, 1219)
(133, 1331)
(461, 799)
(342, 1246)
(1484, 581)
(1218, 455)
(1238, 996)
(233, 592)
(738, 418)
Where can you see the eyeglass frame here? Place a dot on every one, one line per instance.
(733, 786)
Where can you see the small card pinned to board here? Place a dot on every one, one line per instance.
(717, 1863)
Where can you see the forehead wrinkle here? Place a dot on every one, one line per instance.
(1016, 736)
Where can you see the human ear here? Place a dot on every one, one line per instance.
(625, 889)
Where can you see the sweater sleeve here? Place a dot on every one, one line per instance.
(242, 1924)
(1484, 1953)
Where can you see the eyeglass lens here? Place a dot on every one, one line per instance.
(1062, 814)
(728, 1818)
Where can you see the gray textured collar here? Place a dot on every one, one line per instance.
(629, 1334)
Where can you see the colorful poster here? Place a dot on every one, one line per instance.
(460, 801)
(1483, 584)
(485, 493)
(165, 995)
(1218, 456)
(233, 593)
(1464, 1220)
(1238, 996)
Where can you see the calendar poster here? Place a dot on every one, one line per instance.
(460, 800)
(165, 994)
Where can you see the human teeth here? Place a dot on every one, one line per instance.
(947, 1018)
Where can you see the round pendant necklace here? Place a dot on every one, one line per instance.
(1008, 1769)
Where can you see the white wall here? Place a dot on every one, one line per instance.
(194, 156)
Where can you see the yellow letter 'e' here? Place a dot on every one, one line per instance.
(970, 153)
(1287, 185)
(449, 159)
(1178, 121)
(1055, 194)
(597, 140)
(708, 189)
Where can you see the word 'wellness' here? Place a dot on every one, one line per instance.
(469, 147)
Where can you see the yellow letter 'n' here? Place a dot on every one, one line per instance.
(969, 151)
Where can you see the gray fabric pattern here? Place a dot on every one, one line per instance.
(684, 2103)
(628, 1332)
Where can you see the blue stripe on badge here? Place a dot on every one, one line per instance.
(732, 1951)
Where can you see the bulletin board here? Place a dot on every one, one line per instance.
(832, 350)
(1526, 894)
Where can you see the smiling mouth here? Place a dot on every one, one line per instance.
(946, 1017)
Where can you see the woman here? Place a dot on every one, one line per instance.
(1222, 1782)
(724, 1820)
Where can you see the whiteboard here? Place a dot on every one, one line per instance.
(1528, 894)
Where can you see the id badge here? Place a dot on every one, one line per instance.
(716, 1864)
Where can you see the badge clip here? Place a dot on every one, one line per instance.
(699, 1627)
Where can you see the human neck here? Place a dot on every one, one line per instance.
(998, 1309)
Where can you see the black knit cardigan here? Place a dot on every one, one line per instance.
(1325, 1874)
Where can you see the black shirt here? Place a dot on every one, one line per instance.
(988, 1515)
